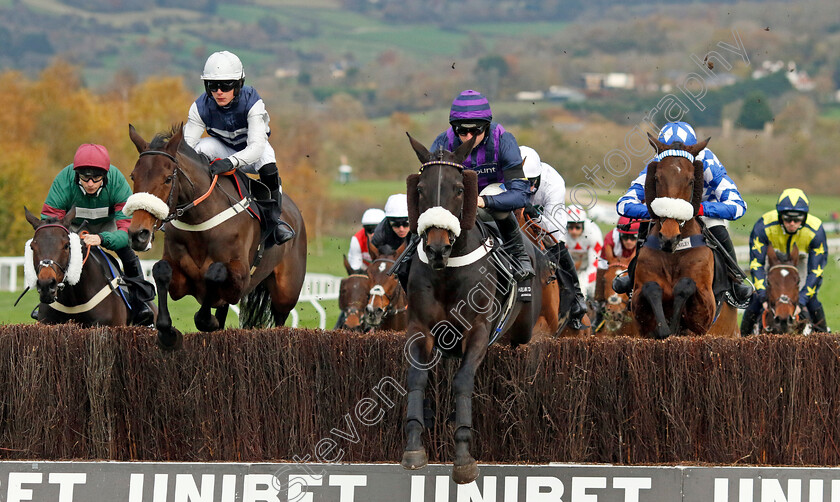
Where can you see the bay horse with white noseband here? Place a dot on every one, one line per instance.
(453, 306)
(71, 287)
(673, 284)
(212, 247)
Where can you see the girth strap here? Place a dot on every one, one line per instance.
(90, 304)
(220, 218)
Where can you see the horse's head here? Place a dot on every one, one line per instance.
(352, 297)
(386, 294)
(53, 255)
(156, 184)
(782, 290)
(442, 199)
(617, 307)
(674, 186)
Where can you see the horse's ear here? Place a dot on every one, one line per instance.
(656, 144)
(697, 148)
(141, 144)
(32, 219)
(772, 259)
(650, 185)
(794, 255)
(372, 250)
(347, 266)
(412, 200)
(69, 217)
(421, 151)
(462, 151)
(400, 249)
(175, 141)
(697, 196)
(470, 199)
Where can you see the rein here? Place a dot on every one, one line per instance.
(379, 290)
(179, 211)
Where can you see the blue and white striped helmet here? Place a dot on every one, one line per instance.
(681, 132)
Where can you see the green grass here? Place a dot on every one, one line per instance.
(372, 192)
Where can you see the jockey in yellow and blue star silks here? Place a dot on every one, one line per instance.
(781, 228)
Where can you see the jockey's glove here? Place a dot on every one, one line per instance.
(220, 166)
(532, 211)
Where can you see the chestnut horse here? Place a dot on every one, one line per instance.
(387, 305)
(353, 294)
(618, 318)
(555, 296)
(672, 292)
(452, 296)
(70, 279)
(212, 249)
(782, 313)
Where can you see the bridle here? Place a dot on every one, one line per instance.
(47, 263)
(379, 291)
(783, 299)
(177, 212)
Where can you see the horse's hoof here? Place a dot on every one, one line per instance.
(416, 459)
(466, 473)
(206, 324)
(171, 340)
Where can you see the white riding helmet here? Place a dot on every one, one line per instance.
(397, 206)
(576, 215)
(373, 216)
(223, 65)
(533, 165)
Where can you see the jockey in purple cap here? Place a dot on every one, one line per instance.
(496, 159)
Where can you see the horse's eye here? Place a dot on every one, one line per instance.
(66, 245)
(460, 190)
(168, 180)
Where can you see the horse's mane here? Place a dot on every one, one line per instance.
(161, 139)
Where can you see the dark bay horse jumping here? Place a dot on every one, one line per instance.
(452, 297)
(212, 245)
(673, 283)
(71, 283)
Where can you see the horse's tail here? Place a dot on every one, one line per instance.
(256, 309)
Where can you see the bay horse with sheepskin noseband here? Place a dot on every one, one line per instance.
(211, 240)
(672, 291)
(452, 302)
(71, 287)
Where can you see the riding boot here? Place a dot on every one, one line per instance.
(748, 321)
(818, 319)
(623, 284)
(599, 300)
(271, 179)
(509, 228)
(567, 275)
(141, 292)
(741, 292)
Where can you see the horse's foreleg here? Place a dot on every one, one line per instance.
(418, 352)
(683, 290)
(214, 278)
(651, 292)
(465, 468)
(168, 337)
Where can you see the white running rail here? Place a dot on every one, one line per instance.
(316, 287)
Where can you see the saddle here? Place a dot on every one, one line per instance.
(129, 288)
(261, 203)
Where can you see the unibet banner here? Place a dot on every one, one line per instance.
(306, 482)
